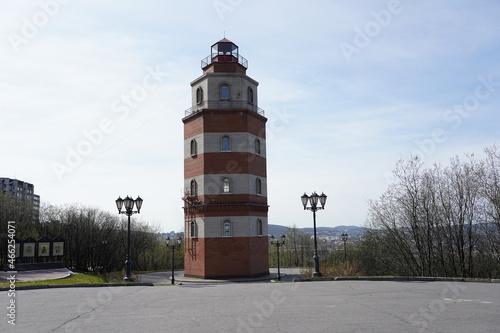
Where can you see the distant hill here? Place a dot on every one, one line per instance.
(352, 230)
(276, 229)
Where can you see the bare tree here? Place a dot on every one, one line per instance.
(439, 221)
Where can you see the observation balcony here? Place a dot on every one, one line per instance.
(224, 104)
(221, 57)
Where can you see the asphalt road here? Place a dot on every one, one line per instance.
(326, 306)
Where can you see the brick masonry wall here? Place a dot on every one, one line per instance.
(220, 121)
(224, 164)
(227, 257)
(224, 121)
(224, 67)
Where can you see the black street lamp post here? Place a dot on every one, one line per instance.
(129, 211)
(278, 243)
(104, 250)
(345, 236)
(173, 246)
(313, 201)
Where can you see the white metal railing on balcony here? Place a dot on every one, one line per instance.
(222, 104)
(224, 58)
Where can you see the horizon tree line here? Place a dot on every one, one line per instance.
(95, 240)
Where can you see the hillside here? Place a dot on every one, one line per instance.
(353, 231)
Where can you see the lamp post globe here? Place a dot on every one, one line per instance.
(119, 204)
(304, 199)
(322, 199)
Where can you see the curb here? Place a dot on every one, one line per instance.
(188, 280)
(215, 281)
(396, 279)
(139, 284)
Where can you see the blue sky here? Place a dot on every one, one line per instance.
(92, 95)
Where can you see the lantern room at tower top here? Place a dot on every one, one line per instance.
(224, 57)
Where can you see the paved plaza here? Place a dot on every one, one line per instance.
(37, 275)
(325, 306)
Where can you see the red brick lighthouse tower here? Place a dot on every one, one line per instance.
(225, 200)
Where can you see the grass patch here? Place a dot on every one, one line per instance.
(333, 270)
(75, 279)
(78, 278)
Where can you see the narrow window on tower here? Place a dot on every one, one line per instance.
(199, 95)
(250, 95)
(192, 230)
(226, 143)
(259, 227)
(226, 185)
(194, 188)
(257, 146)
(226, 228)
(194, 148)
(258, 186)
(224, 91)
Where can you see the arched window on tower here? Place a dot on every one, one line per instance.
(258, 186)
(225, 144)
(226, 228)
(194, 148)
(257, 146)
(192, 229)
(224, 91)
(199, 95)
(250, 95)
(193, 188)
(259, 227)
(226, 185)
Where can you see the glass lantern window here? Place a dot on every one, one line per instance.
(225, 49)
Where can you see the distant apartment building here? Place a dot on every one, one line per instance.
(22, 190)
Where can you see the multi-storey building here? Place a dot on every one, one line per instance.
(22, 190)
(225, 171)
